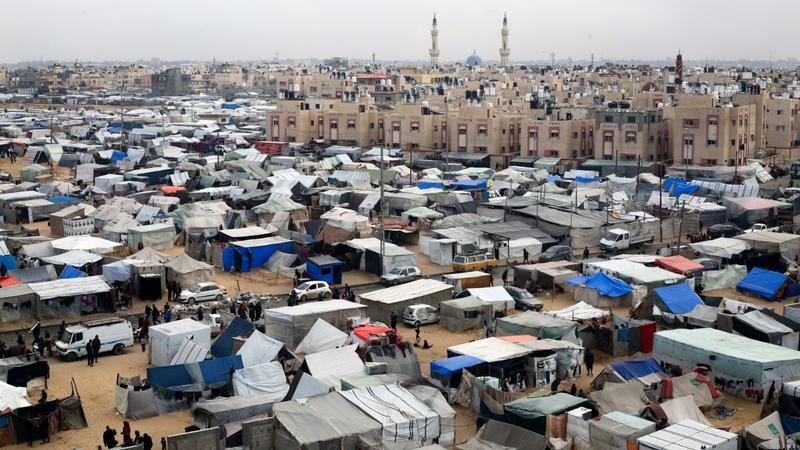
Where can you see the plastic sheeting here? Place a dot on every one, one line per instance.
(259, 349)
(119, 270)
(728, 277)
(579, 312)
(765, 283)
(603, 284)
(721, 247)
(322, 336)
(536, 324)
(265, 379)
(189, 352)
(331, 365)
(678, 298)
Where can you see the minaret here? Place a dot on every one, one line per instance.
(504, 50)
(434, 51)
(679, 68)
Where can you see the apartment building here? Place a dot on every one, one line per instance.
(712, 136)
(631, 134)
(780, 123)
(567, 134)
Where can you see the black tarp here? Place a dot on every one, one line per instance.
(20, 375)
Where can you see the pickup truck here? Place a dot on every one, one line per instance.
(617, 239)
(761, 227)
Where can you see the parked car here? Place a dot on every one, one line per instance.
(311, 290)
(723, 230)
(203, 292)
(115, 334)
(420, 314)
(400, 275)
(474, 261)
(524, 300)
(556, 253)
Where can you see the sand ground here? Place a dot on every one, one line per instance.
(96, 384)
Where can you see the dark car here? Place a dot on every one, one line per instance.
(708, 264)
(556, 253)
(723, 230)
(524, 300)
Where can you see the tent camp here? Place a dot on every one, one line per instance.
(767, 326)
(290, 324)
(464, 313)
(134, 398)
(646, 370)
(531, 412)
(167, 338)
(330, 366)
(322, 336)
(617, 430)
(188, 272)
(667, 302)
(266, 380)
(537, 324)
(747, 366)
(175, 386)
(321, 420)
(157, 236)
(764, 283)
(382, 302)
(601, 290)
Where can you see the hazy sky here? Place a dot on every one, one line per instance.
(257, 29)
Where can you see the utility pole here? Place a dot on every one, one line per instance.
(638, 169)
(660, 216)
(383, 213)
(680, 228)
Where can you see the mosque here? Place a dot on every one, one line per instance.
(473, 59)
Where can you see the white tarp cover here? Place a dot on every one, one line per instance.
(728, 277)
(683, 408)
(167, 338)
(189, 352)
(75, 258)
(496, 295)
(119, 270)
(69, 287)
(434, 399)
(578, 311)
(259, 349)
(403, 416)
(721, 247)
(322, 336)
(346, 219)
(331, 366)
(778, 333)
(490, 349)
(265, 379)
(87, 243)
(13, 397)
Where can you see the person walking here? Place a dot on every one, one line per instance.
(90, 353)
(586, 252)
(504, 277)
(393, 320)
(417, 331)
(525, 255)
(147, 442)
(588, 359)
(155, 314)
(199, 314)
(144, 333)
(96, 348)
(488, 331)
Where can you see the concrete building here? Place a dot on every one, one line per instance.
(630, 134)
(712, 136)
(171, 82)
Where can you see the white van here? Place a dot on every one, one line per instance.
(116, 334)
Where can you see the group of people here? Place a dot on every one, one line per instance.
(110, 438)
(93, 350)
(155, 314)
(10, 153)
(246, 310)
(345, 293)
(173, 291)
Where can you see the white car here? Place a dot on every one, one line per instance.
(400, 275)
(203, 292)
(420, 314)
(312, 290)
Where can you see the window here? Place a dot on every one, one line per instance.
(553, 153)
(780, 128)
(351, 124)
(607, 157)
(532, 133)
(630, 138)
(380, 125)
(504, 131)
(574, 135)
(554, 134)
(292, 122)
(436, 128)
(608, 119)
(414, 146)
(312, 123)
(275, 122)
(482, 131)
(372, 125)
(462, 131)
(779, 112)
(415, 127)
(691, 123)
(651, 139)
(712, 142)
(733, 142)
(334, 126)
(395, 127)
(733, 123)
(631, 119)
(629, 157)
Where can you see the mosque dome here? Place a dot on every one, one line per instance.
(474, 60)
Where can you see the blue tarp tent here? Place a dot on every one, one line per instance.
(223, 345)
(253, 253)
(636, 368)
(765, 283)
(603, 284)
(586, 180)
(430, 184)
(468, 184)
(118, 156)
(211, 371)
(71, 272)
(677, 299)
(448, 366)
(64, 199)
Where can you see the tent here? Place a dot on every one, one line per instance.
(72, 272)
(61, 415)
(382, 302)
(617, 430)
(330, 366)
(322, 336)
(238, 327)
(668, 302)
(721, 247)
(76, 258)
(266, 380)
(189, 352)
(767, 326)
(250, 254)
(579, 312)
(646, 370)
(433, 399)
(537, 324)
(407, 422)
(325, 268)
(728, 277)
(495, 435)
(290, 324)
(157, 236)
(175, 386)
(151, 256)
(464, 313)
(448, 370)
(677, 410)
(119, 270)
(86, 243)
(13, 397)
(767, 429)
(679, 264)
(600, 290)
(261, 349)
(531, 412)
(188, 272)
(21, 303)
(321, 420)
(700, 388)
(765, 283)
(498, 296)
(134, 398)
(167, 338)
(222, 411)
(627, 398)
(747, 366)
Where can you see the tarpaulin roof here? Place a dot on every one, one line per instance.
(70, 287)
(71, 272)
(679, 264)
(75, 257)
(762, 282)
(603, 284)
(578, 311)
(678, 298)
(223, 345)
(468, 184)
(8, 281)
(636, 368)
(449, 366)
(721, 247)
(364, 332)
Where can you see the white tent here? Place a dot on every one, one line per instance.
(87, 243)
(167, 338)
(331, 366)
(322, 336)
(265, 379)
(13, 397)
(75, 258)
(259, 349)
(119, 270)
(721, 247)
(189, 352)
(578, 311)
(188, 272)
(497, 295)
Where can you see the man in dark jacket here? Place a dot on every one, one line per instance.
(90, 353)
(96, 347)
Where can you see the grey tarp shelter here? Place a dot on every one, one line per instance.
(157, 236)
(290, 324)
(19, 303)
(323, 422)
(134, 398)
(531, 412)
(464, 313)
(536, 324)
(382, 302)
(496, 435)
(188, 272)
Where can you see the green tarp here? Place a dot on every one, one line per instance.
(531, 412)
(536, 324)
